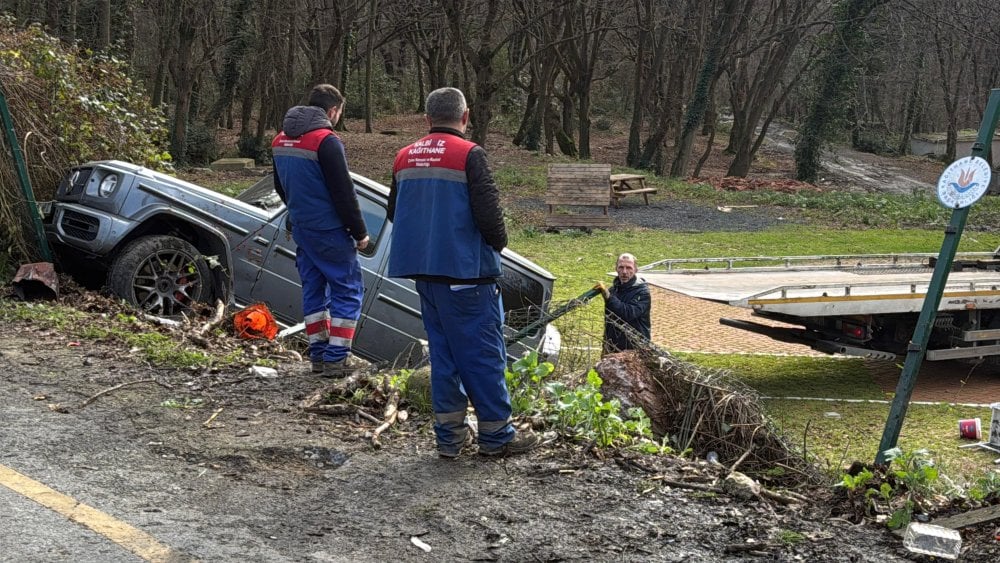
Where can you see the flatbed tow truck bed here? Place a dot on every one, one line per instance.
(832, 296)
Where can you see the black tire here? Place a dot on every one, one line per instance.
(160, 274)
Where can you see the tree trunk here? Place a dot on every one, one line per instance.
(235, 54)
(372, 11)
(53, 16)
(638, 81)
(103, 25)
(72, 8)
(909, 116)
(836, 70)
(722, 26)
(182, 71)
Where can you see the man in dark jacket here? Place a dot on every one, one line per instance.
(626, 308)
(311, 177)
(447, 235)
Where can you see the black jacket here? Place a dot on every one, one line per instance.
(629, 304)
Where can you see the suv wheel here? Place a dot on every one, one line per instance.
(160, 274)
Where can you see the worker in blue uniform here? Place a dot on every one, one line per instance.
(448, 232)
(312, 178)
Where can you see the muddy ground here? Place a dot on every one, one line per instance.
(277, 484)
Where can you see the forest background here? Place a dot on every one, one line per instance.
(170, 82)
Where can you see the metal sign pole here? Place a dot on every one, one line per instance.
(917, 347)
(22, 175)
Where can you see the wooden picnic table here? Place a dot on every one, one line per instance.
(629, 184)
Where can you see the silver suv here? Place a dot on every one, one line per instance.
(165, 243)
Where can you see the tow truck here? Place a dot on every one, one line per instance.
(863, 305)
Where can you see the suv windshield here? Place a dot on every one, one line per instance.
(262, 195)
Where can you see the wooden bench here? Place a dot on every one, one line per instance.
(577, 195)
(629, 184)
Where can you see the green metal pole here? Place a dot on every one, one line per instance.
(917, 347)
(22, 175)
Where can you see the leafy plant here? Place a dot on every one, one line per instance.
(790, 537)
(524, 380)
(985, 487)
(910, 482)
(581, 411)
(854, 483)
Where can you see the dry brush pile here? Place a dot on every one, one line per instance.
(704, 410)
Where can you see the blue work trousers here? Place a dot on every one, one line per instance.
(464, 325)
(332, 290)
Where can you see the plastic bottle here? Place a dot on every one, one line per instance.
(929, 539)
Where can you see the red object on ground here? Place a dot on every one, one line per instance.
(970, 429)
(255, 322)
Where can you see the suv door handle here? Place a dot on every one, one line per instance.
(262, 241)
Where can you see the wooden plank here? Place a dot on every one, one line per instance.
(626, 177)
(583, 205)
(970, 518)
(579, 186)
(619, 193)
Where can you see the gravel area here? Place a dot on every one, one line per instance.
(668, 215)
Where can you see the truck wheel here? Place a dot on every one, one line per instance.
(160, 274)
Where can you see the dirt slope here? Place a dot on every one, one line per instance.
(304, 488)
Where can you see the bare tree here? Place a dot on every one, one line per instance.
(756, 71)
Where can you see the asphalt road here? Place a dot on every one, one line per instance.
(98, 461)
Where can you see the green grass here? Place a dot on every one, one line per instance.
(159, 349)
(856, 433)
(796, 376)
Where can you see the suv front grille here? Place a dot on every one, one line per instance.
(79, 225)
(75, 182)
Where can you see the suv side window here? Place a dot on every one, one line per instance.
(374, 216)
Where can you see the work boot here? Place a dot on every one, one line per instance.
(520, 444)
(317, 366)
(343, 368)
(337, 369)
(447, 453)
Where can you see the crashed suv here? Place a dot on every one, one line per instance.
(166, 244)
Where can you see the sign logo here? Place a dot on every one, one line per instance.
(964, 182)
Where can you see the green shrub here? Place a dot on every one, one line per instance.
(202, 147)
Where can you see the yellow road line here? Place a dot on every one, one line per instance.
(129, 537)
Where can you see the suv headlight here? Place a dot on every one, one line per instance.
(108, 185)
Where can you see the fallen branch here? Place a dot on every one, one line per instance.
(390, 414)
(126, 384)
(171, 323)
(748, 547)
(782, 498)
(220, 311)
(211, 418)
(338, 409)
(692, 486)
